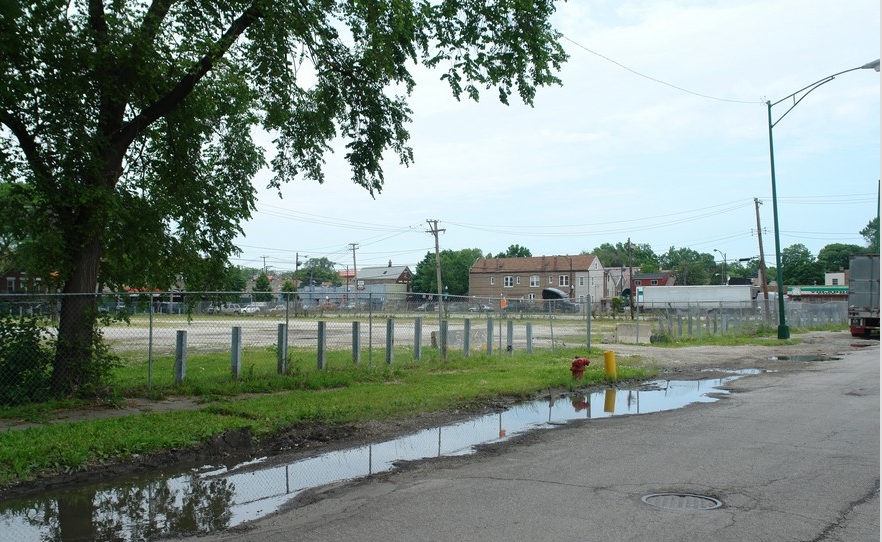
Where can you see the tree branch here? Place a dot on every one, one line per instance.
(28, 144)
(185, 86)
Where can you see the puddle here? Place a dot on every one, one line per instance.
(213, 498)
(807, 357)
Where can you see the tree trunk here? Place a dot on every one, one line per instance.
(73, 351)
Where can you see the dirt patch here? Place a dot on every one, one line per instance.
(309, 438)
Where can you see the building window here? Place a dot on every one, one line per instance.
(550, 279)
(581, 281)
(10, 284)
(653, 282)
(564, 280)
(492, 281)
(507, 281)
(534, 281)
(518, 279)
(835, 282)
(592, 281)
(638, 282)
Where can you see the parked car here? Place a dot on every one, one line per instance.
(250, 309)
(277, 308)
(426, 307)
(481, 308)
(226, 308)
(519, 306)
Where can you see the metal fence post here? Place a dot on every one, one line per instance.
(390, 340)
(180, 356)
(466, 337)
(322, 346)
(489, 336)
(236, 356)
(443, 339)
(282, 350)
(529, 337)
(509, 337)
(418, 338)
(356, 342)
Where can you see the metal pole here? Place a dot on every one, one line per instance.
(783, 330)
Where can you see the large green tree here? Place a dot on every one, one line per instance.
(799, 267)
(455, 265)
(835, 257)
(125, 124)
(317, 271)
(515, 251)
(640, 256)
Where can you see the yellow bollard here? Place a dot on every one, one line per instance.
(609, 364)
(609, 401)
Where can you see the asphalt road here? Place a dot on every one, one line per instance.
(791, 457)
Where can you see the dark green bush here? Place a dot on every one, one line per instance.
(26, 349)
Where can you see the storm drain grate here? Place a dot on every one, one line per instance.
(681, 501)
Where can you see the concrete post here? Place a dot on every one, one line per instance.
(180, 356)
(236, 353)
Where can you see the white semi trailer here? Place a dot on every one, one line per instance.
(696, 297)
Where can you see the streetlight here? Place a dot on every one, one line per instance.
(798, 96)
(723, 277)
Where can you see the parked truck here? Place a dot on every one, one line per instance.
(739, 296)
(863, 295)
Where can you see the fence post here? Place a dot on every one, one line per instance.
(356, 342)
(390, 340)
(418, 337)
(529, 337)
(282, 349)
(321, 348)
(180, 356)
(489, 336)
(466, 337)
(236, 356)
(509, 337)
(443, 339)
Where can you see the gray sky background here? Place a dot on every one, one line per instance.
(659, 133)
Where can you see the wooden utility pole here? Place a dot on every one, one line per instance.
(762, 261)
(433, 229)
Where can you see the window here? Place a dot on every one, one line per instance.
(492, 281)
(638, 282)
(592, 281)
(507, 281)
(534, 281)
(564, 280)
(531, 297)
(653, 282)
(581, 281)
(550, 279)
(10, 284)
(518, 279)
(835, 282)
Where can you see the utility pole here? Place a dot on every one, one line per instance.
(352, 247)
(264, 264)
(433, 229)
(631, 281)
(762, 262)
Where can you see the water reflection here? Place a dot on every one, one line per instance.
(214, 498)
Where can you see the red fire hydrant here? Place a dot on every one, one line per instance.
(578, 367)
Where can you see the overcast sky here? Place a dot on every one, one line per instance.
(659, 133)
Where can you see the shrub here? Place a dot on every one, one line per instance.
(26, 349)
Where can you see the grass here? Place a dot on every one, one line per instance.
(266, 403)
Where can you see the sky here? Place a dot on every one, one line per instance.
(659, 134)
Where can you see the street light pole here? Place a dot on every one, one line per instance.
(723, 278)
(798, 96)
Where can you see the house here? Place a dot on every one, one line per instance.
(661, 278)
(390, 274)
(525, 278)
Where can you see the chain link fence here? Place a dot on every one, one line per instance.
(172, 338)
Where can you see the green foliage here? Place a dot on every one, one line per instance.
(515, 251)
(799, 266)
(25, 360)
(455, 265)
(262, 288)
(616, 304)
(317, 271)
(870, 233)
(835, 257)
